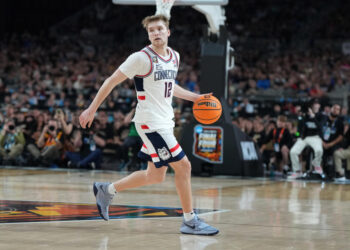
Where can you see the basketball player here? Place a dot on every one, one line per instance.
(153, 69)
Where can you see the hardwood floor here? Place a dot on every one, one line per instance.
(55, 209)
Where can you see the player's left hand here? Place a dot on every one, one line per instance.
(86, 118)
(202, 95)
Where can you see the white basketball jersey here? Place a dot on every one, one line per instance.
(155, 91)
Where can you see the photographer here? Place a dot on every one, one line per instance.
(308, 135)
(11, 142)
(50, 143)
(67, 129)
(88, 146)
(62, 123)
(29, 131)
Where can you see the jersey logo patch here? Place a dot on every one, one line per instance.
(163, 154)
(155, 59)
(159, 67)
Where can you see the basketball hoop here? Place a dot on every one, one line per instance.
(164, 7)
(212, 9)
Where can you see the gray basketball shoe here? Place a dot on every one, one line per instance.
(103, 198)
(198, 227)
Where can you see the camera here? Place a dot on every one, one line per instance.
(93, 126)
(11, 127)
(58, 113)
(52, 128)
(305, 107)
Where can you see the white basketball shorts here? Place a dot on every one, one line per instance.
(159, 146)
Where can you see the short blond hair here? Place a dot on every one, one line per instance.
(155, 18)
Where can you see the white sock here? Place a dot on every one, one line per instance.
(111, 189)
(189, 216)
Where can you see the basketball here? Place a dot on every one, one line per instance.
(207, 109)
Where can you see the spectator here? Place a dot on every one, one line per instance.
(343, 153)
(88, 145)
(179, 121)
(248, 127)
(281, 140)
(252, 88)
(316, 91)
(277, 111)
(80, 101)
(263, 81)
(50, 144)
(245, 109)
(308, 133)
(258, 134)
(120, 132)
(60, 117)
(30, 136)
(105, 126)
(131, 145)
(2, 90)
(12, 142)
(332, 134)
(191, 83)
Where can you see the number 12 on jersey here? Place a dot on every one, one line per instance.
(168, 88)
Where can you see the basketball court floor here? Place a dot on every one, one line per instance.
(55, 209)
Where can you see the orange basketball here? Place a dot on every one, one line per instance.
(207, 109)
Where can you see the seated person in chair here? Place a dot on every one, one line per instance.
(308, 135)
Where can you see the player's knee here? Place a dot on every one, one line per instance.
(155, 178)
(186, 167)
(159, 178)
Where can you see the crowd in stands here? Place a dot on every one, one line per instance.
(50, 139)
(314, 75)
(307, 144)
(46, 80)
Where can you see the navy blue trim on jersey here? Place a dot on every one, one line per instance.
(138, 84)
(155, 53)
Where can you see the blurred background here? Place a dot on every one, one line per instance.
(54, 55)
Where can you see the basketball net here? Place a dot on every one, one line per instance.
(164, 7)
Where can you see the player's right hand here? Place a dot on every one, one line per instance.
(86, 118)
